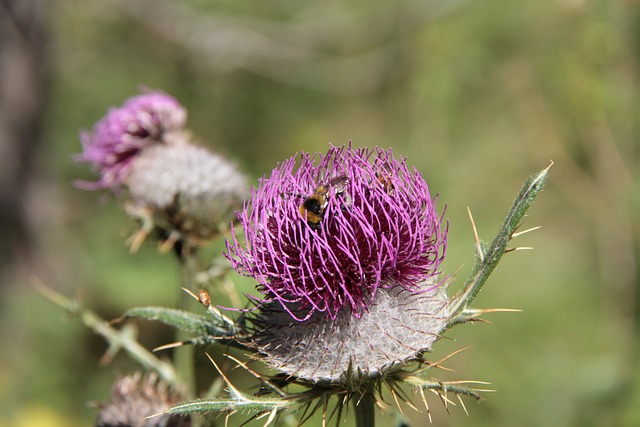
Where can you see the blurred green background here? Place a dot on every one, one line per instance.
(477, 94)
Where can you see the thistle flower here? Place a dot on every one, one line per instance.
(142, 121)
(182, 191)
(134, 398)
(345, 248)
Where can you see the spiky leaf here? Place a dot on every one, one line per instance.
(488, 258)
(194, 323)
(232, 403)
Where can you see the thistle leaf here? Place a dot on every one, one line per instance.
(238, 401)
(489, 257)
(194, 323)
(441, 388)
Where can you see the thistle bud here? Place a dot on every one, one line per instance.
(134, 399)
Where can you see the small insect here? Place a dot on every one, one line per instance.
(313, 207)
(204, 298)
(385, 180)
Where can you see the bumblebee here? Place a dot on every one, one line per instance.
(313, 207)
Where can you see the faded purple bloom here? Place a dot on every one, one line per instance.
(378, 230)
(117, 138)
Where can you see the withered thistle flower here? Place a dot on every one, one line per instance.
(186, 189)
(346, 249)
(142, 151)
(117, 138)
(136, 397)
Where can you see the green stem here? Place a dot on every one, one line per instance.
(364, 409)
(117, 339)
(184, 356)
(488, 259)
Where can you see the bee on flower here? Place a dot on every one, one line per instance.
(348, 268)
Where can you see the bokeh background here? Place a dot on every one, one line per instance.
(477, 94)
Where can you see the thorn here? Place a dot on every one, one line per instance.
(478, 319)
(484, 390)
(226, 380)
(475, 236)
(304, 416)
(154, 415)
(469, 382)
(324, 413)
(272, 417)
(194, 296)
(426, 405)
(549, 167)
(443, 399)
(136, 240)
(170, 345)
(462, 404)
(519, 248)
(520, 233)
(500, 310)
(395, 398)
(169, 243)
(257, 375)
(447, 357)
(482, 311)
(411, 405)
(474, 314)
(453, 276)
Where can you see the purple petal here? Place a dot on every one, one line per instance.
(382, 231)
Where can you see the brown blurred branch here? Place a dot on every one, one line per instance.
(297, 53)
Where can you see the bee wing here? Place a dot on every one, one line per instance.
(339, 184)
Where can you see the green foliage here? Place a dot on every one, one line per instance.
(357, 386)
(183, 320)
(487, 258)
(478, 93)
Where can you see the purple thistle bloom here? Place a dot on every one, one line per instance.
(379, 229)
(119, 136)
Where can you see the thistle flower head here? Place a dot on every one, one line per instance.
(142, 121)
(345, 248)
(327, 233)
